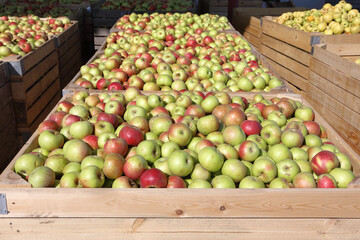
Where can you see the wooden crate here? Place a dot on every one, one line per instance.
(180, 213)
(69, 54)
(335, 82)
(291, 49)
(9, 144)
(34, 82)
(248, 21)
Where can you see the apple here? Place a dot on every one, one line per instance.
(304, 180)
(342, 176)
(92, 160)
(50, 140)
(299, 154)
(211, 159)
(264, 169)
(251, 182)
(323, 162)
(92, 141)
(69, 119)
(76, 150)
(57, 163)
(279, 152)
(70, 180)
(199, 183)
(249, 151)
(292, 138)
(326, 181)
(312, 127)
(26, 163)
(116, 145)
(72, 167)
(235, 169)
(162, 164)
(271, 134)
(222, 181)
(132, 135)
(233, 135)
(48, 124)
(208, 124)
(149, 150)
(304, 113)
(199, 172)
(123, 182)
(234, 116)
(180, 134)
(113, 165)
(153, 178)
(175, 182)
(280, 182)
(134, 167)
(168, 148)
(344, 161)
(251, 127)
(287, 169)
(80, 129)
(92, 177)
(312, 140)
(180, 163)
(42, 177)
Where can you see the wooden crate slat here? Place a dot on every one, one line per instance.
(73, 40)
(331, 74)
(19, 66)
(286, 49)
(252, 40)
(67, 34)
(25, 116)
(7, 115)
(289, 76)
(219, 203)
(349, 100)
(291, 64)
(348, 132)
(334, 61)
(300, 39)
(4, 73)
(20, 85)
(341, 110)
(170, 228)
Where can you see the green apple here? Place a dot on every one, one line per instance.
(92, 177)
(211, 159)
(42, 177)
(222, 181)
(180, 163)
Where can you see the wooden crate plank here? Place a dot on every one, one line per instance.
(62, 50)
(170, 228)
(349, 100)
(334, 61)
(67, 34)
(300, 39)
(252, 40)
(219, 203)
(343, 111)
(5, 94)
(344, 81)
(288, 75)
(284, 60)
(349, 133)
(21, 65)
(72, 55)
(286, 49)
(4, 73)
(20, 85)
(7, 115)
(254, 31)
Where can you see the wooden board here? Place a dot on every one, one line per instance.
(21, 65)
(178, 228)
(289, 76)
(286, 61)
(286, 49)
(253, 40)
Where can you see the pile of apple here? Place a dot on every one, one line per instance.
(179, 140)
(43, 10)
(183, 21)
(150, 5)
(21, 35)
(196, 62)
(329, 20)
(63, 2)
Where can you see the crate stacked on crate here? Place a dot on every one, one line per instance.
(288, 50)
(334, 87)
(35, 86)
(68, 47)
(9, 144)
(248, 21)
(193, 212)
